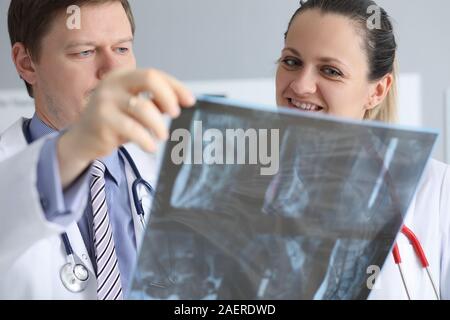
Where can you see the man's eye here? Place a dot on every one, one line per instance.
(122, 50)
(332, 72)
(86, 53)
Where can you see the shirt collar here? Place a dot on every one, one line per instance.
(112, 164)
(39, 129)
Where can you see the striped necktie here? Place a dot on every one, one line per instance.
(108, 276)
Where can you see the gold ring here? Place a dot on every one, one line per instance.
(132, 103)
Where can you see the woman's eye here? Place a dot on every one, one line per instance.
(291, 62)
(332, 72)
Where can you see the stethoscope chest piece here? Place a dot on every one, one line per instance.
(75, 277)
(74, 274)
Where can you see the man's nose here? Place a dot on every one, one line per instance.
(304, 83)
(107, 63)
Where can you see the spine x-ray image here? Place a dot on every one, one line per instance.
(307, 224)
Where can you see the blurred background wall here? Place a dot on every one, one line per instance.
(227, 43)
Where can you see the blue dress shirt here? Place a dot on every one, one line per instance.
(58, 204)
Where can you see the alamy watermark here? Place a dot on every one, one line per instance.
(73, 22)
(232, 147)
(374, 20)
(373, 271)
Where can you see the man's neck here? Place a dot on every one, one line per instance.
(46, 120)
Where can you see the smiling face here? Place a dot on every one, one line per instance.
(72, 62)
(324, 67)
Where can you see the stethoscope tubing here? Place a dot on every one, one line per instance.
(420, 253)
(68, 273)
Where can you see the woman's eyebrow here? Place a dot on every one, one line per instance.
(330, 59)
(293, 51)
(322, 59)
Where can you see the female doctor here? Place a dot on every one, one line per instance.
(338, 60)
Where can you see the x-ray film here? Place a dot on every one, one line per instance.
(282, 204)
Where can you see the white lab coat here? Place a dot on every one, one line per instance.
(31, 249)
(429, 218)
(31, 252)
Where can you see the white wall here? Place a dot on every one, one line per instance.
(14, 104)
(229, 39)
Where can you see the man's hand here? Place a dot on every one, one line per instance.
(115, 115)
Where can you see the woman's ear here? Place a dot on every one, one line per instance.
(378, 91)
(23, 62)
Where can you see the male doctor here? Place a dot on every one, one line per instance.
(64, 184)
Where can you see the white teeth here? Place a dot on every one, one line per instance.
(305, 106)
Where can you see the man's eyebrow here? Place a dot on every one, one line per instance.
(79, 44)
(124, 40)
(94, 44)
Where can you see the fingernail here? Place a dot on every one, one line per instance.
(176, 112)
(192, 100)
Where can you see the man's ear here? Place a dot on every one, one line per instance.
(378, 91)
(23, 62)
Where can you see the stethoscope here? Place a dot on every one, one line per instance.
(74, 274)
(408, 233)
